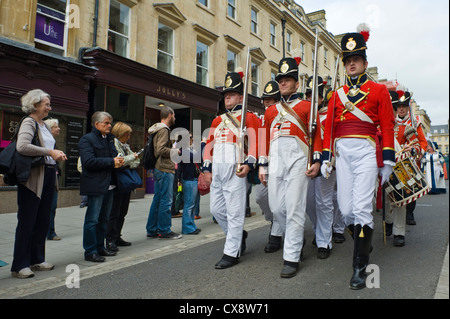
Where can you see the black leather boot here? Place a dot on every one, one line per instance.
(243, 243)
(274, 244)
(226, 262)
(362, 248)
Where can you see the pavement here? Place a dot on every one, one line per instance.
(67, 254)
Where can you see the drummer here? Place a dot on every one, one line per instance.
(406, 143)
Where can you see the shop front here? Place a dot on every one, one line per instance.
(23, 68)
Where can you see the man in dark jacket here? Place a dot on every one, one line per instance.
(98, 159)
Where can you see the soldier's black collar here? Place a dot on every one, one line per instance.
(291, 98)
(358, 81)
(235, 108)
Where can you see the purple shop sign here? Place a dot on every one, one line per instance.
(49, 27)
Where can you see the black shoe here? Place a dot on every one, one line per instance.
(153, 235)
(111, 246)
(338, 238)
(123, 243)
(399, 240)
(410, 222)
(323, 253)
(289, 269)
(195, 232)
(170, 235)
(96, 258)
(389, 229)
(274, 244)
(107, 253)
(226, 262)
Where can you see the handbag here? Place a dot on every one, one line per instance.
(179, 199)
(127, 180)
(203, 187)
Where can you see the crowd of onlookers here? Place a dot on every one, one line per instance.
(104, 157)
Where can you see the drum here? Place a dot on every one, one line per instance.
(407, 183)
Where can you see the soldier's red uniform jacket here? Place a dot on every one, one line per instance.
(402, 124)
(278, 122)
(223, 130)
(370, 107)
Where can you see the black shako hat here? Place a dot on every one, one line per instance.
(355, 43)
(309, 85)
(272, 90)
(403, 98)
(233, 83)
(394, 99)
(288, 67)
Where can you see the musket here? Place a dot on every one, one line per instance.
(314, 104)
(383, 201)
(243, 127)
(411, 114)
(333, 89)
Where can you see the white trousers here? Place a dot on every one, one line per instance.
(262, 199)
(357, 171)
(288, 186)
(397, 216)
(320, 208)
(338, 221)
(228, 197)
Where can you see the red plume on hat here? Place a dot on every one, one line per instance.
(364, 29)
(240, 71)
(400, 90)
(297, 55)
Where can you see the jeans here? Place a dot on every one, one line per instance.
(159, 216)
(96, 221)
(191, 201)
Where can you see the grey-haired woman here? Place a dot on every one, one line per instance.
(34, 196)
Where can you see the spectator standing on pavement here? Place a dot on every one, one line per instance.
(187, 173)
(34, 197)
(98, 159)
(119, 210)
(53, 124)
(159, 221)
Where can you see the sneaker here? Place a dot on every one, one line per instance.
(43, 266)
(170, 235)
(23, 273)
(54, 238)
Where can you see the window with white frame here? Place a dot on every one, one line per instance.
(231, 60)
(302, 50)
(204, 2)
(165, 48)
(289, 41)
(50, 28)
(325, 56)
(254, 20)
(273, 34)
(255, 79)
(202, 63)
(119, 28)
(232, 9)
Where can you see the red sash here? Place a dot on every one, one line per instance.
(361, 129)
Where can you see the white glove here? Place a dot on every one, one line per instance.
(326, 169)
(385, 172)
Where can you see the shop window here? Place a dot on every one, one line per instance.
(50, 29)
(127, 107)
(165, 48)
(119, 26)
